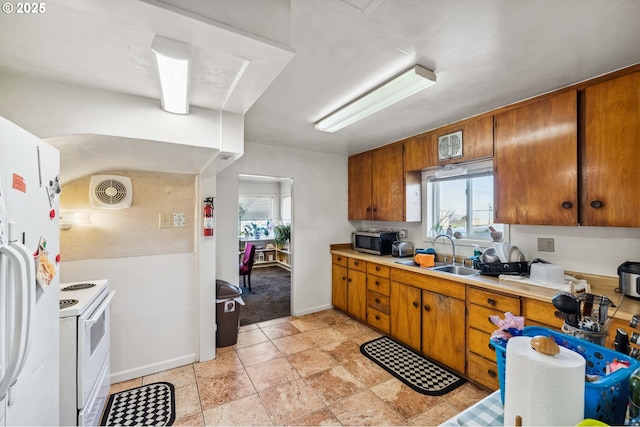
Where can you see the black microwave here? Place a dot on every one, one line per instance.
(378, 243)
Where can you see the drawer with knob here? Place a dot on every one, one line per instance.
(378, 301)
(378, 284)
(339, 260)
(478, 317)
(357, 264)
(483, 371)
(378, 319)
(479, 343)
(500, 303)
(378, 270)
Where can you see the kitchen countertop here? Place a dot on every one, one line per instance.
(600, 285)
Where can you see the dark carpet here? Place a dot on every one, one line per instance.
(415, 370)
(270, 297)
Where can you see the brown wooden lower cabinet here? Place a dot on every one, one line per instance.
(339, 287)
(443, 324)
(405, 312)
(357, 294)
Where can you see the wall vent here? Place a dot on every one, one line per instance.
(450, 146)
(110, 192)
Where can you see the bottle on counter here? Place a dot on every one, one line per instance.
(449, 231)
(476, 250)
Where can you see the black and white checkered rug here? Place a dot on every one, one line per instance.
(149, 405)
(415, 370)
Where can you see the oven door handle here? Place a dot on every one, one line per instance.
(101, 308)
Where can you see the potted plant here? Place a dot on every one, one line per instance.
(282, 233)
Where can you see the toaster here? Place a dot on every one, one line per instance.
(401, 249)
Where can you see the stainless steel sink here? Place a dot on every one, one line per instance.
(412, 263)
(456, 269)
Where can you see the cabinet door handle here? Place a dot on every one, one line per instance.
(492, 373)
(596, 204)
(491, 301)
(416, 304)
(377, 300)
(344, 278)
(355, 263)
(491, 347)
(375, 209)
(369, 209)
(339, 258)
(349, 279)
(567, 205)
(427, 307)
(377, 283)
(489, 319)
(377, 317)
(377, 268)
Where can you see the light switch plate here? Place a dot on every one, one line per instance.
(165, 220)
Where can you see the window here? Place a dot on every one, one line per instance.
(464, 203)
(256, 214)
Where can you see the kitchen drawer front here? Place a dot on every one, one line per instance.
(378, 269)
(479, 343)
(339, 259)
(500, 303)
(378, 301)
(378, 319)
(378, 284)
(541, 312)
(478, 318)
(483, 371)
(438, 285)
(357, 264)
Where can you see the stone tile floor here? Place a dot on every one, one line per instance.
(305, 370)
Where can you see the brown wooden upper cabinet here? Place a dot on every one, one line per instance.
(609, 153)
(421, 152)
(536, 162)
(376, 185)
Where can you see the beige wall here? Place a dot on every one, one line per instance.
(134, 231)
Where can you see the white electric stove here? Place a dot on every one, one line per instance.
(84, 351)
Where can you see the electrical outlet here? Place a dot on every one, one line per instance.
(545, 244)
(402, 234)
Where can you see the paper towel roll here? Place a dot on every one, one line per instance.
(543, 390)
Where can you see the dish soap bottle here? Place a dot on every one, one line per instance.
(476, 250)
(449, 231)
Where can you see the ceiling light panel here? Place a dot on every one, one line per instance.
(400, 87)
(174, 64)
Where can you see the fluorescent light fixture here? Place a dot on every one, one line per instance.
(174, 60)
(400, 87)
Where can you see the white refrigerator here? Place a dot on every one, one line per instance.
(29, 277)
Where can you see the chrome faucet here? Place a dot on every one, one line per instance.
(453, 246)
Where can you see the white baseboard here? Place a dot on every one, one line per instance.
(152, 369)
(312, 310)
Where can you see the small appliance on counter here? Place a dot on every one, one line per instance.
(629, 279)
(402, 249)
(374, 242)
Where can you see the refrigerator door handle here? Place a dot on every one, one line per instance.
(16, 316)
(29, 289)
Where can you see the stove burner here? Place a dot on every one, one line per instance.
(65, 303)
(78, 286)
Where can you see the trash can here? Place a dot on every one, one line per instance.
(228, 301)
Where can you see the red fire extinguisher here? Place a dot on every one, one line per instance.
(208, 216)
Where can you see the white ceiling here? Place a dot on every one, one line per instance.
(485, 53)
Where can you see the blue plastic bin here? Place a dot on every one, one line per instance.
(605, 399)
